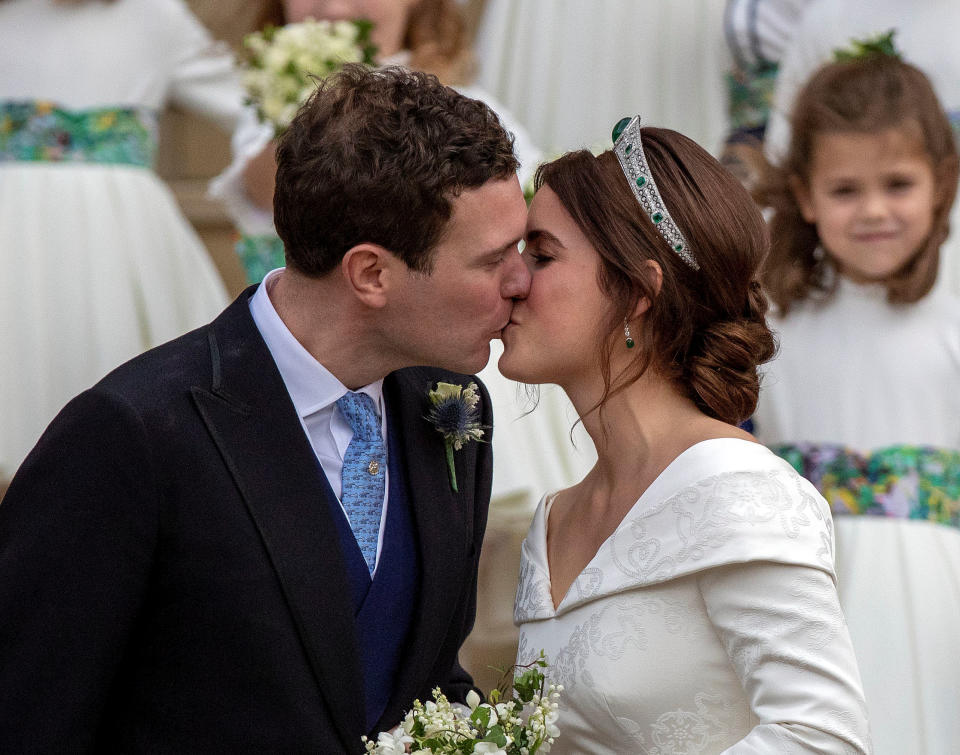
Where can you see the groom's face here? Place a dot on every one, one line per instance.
(448, 318)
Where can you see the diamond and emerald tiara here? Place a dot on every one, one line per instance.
(629, 150)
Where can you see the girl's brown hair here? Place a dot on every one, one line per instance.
(869, 95)
(438, 41)
(436, 36)
(705, 329)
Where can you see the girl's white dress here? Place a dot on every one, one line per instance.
(708, 622)
(99, 263)
(571, 70)
(862, 399)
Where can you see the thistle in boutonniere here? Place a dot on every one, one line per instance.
(454, 412)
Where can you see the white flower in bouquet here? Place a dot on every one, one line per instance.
(284, 63)
(524, 724)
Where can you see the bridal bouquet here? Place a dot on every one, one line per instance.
(524, 724)
(284, 63)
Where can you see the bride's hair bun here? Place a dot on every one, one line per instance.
(721, 368)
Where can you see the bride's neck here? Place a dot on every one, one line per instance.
(640, 429)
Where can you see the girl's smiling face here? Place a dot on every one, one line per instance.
(872, 197)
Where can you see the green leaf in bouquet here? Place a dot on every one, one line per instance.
(496, 736)
(527, 684)
(364, 31)
(481, 716)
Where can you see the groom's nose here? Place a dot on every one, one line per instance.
(516, 278)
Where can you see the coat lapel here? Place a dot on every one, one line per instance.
(255, 426)
(443, 523)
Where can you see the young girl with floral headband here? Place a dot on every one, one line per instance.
(863, 397)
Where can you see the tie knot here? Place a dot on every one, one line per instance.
(361, 413)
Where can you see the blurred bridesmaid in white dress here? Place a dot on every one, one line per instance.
(99, 263)
(684, 591)
(862, 397)
(567, 69)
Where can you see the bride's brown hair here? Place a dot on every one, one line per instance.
(705, 329)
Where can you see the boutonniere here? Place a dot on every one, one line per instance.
(455, 414)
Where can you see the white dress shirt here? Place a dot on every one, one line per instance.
(314, 391)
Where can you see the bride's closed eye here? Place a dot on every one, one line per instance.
(540, 259)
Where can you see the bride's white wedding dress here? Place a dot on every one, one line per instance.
(708, 622)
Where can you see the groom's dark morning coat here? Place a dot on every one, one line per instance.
(171, 578)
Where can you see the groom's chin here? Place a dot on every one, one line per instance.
(469, 364)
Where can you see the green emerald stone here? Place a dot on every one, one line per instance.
(641, 181)
(628, 150)
(678, 248)
(618, 129)
(630, 343)
(657, 217)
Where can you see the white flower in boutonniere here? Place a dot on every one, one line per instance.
(454, 412)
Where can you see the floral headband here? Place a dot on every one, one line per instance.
(629, 151)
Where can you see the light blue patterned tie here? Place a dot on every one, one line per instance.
(364, 472)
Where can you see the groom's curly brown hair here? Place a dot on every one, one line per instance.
(377, 156)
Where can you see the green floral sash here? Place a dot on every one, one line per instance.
(750, 95)
(42, 132)
(260, 255)
(906, 482)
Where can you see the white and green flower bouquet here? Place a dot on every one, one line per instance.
(523, 724)
(284, 63)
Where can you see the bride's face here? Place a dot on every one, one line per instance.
(554, 333)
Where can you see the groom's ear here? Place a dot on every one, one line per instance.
(366, 271)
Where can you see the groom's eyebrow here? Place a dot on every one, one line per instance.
(501, 250)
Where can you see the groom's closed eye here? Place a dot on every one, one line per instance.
(498, 256)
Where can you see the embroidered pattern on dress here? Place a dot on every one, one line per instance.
(705, 517)
(685, 732)
(533, 592)
(679, 535)
(813, 625)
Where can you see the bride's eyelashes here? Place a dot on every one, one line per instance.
(541, 260)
